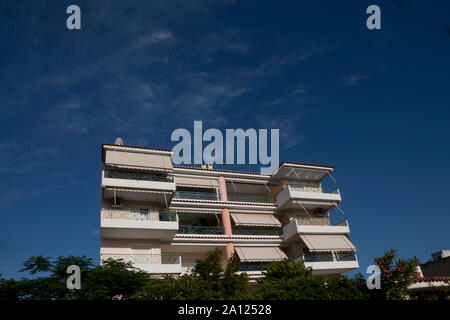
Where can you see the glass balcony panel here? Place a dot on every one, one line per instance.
(144, 258)
(167, 216)
(318, 257)
(313, 188)
(139, 214)
(346, 256)
(132, 175)
(196, 195)
(201, 230)
(252, 267)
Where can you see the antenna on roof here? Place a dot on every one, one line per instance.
(119, 141)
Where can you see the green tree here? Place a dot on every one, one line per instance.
(289, 280)
(340, 287)
(51, 282)
(113, 280)
(10, 289)
(396, 276)
(234, 285)
(208, 281)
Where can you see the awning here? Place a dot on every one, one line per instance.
(327, 243)
(140, 160)
(196, 182)
(315, 203)
(256, 254)
(137, 190)
(248, 219)
(183, 210)
(119, 166)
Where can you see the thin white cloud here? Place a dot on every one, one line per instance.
(354, 79)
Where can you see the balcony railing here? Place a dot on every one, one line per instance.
(256, 232)
(327, 257)
(253, 267)
(167, 216)
(144, 258)
(196, 195)
(313, 188)
(346, 256)
(321, 221)
(139, 215)
(318, 257)
(216, 197)
(201, 230)
(249, 198)
(132, 175)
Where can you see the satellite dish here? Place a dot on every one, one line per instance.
(119, 141)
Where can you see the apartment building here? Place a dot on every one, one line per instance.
(163, 217)
(433, 276)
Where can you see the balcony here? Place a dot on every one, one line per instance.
(255, 267)
(151, 263)
(234, 200)
(138, 224)
(250, 198)
(315, 225)
(196, 195)
(209, 230)
(329, 263)
(303, 196)
(138, 180)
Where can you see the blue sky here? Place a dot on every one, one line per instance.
(374, 104)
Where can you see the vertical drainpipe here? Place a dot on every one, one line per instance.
(226, 220)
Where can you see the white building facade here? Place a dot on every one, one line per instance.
(162, 218)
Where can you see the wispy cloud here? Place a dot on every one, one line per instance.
(289, 126)
(291, 110)
(153, 70)
(354, 79)
(14, 161)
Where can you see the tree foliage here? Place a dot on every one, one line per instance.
(283, 280)
(396, 276)
(290, 280)
(208, 281)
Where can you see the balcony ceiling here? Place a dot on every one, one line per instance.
(247, 188)
(303, 174)
(137, 195)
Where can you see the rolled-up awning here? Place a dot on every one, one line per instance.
(184, 210)
(256, 254)
(249, 219)
(327, 243)
(155, 162)
(137, 190)
(196, 182)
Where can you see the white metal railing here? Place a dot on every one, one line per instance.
(321, 221)
(327, 257)
(313, 188)
(139, 215)
(144, 258)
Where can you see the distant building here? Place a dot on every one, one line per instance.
(440, 254)
(433, 275)
(162, 218)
